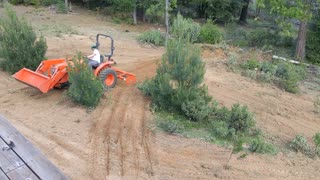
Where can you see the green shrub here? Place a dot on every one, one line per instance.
(185, 29)
(316, 140)
(152, 37)
(260, 146)
(313, 42)
(251, 64)
(198, 109)
(60, 7)
(250, 73)
(210, 34)
(48, 2)
(289, 76)
(178, 78)
(267, 77)
(85, 89)
(19, 45)
(268, 67)
(221, 129)
(300, 144)
(241, 120)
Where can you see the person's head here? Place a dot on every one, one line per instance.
(94, 46)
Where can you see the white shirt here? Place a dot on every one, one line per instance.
(96, 57)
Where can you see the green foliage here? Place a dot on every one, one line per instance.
(60, 7)
(289, 75)
(25, 2)
(241, 120)
(313, 42)
(263, 38)
(152, 37)
(48, 2)
(284, 74)
(259, 146)
(222, 11)
(198, 109)
(185, 29)
(178, 77)
(316, 140)
(85, 88)
(19, 45)
(251, 64)
(300, 144)
(210, 34)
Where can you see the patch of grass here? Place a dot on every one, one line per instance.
(284, 74)
(154, 37)
(58, 29)
(300, 144)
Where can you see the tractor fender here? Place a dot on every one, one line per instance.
(101, 67)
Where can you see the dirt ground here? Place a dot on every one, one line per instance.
(117, 140)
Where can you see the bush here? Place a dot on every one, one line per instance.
(152, 37)
(48, 2)
(85, 89)
(251, 64)
(260, 146)
(313, 42)
(289, 76)
(19, 45)
(316, 140)
(210, 34)
(241, 120)
(185, 29)
(61, 7)
(300, 144)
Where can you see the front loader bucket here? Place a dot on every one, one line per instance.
(34, 79)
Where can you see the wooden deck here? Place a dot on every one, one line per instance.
(19, 159)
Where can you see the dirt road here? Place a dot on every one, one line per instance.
(118, 140)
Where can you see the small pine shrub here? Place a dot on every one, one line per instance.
(185, 29)
(155, 37)
(220, 129)
(300, 144)
(198, 109)
(316, 140)
(289, 76)
(210, 34)
(85, 89)
(268, 67)
(241, 120)
(19, 45)
(61, 7)
(260, 146)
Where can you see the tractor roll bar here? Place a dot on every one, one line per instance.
(112, 48)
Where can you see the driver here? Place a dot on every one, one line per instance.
(94, 58)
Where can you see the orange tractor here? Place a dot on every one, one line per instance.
(53, 73)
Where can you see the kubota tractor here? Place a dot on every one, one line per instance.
(53, 73)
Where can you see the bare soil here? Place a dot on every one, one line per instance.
(118, 140)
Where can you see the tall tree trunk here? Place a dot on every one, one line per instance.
(301, 41)
(244, 13)
(167, 21)
(135, 15)
(66, 5)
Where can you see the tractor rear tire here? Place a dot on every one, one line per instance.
(108, 77)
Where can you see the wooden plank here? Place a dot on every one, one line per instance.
(22, 172)
(3, 176)
(8, 159)
(29, 154)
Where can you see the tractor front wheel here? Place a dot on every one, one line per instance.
(108, 77)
